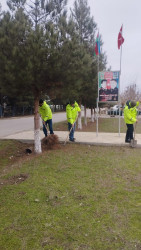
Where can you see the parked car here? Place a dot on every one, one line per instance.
(115, 110)
(115, 107)
(139, 112)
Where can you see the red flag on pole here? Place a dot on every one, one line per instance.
(120, 38)
(97, 46)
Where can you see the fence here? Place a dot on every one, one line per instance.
(11, 111)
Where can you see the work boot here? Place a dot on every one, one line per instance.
(72, 140)
(127, 141)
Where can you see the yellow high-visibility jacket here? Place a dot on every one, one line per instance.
(45, 112)
(72, 112)
(130, 114)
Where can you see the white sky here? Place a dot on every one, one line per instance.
(109, 16)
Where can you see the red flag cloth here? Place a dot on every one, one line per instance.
(120, 38)
(97, 46)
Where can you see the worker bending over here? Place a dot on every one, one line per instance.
(46, 115)
(72, 110)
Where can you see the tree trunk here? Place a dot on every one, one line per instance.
(85, 115)
(37, 140)
(99, 111)
(92, 115)
(79, 120)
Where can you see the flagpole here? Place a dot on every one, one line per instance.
(119, 81)
(120, 57)
(97, 52)
(119, 102)
(97, 99)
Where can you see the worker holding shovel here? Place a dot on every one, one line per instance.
(72, 110)
(46, 115)
(130, 114)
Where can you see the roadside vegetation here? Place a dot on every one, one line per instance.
(107, 125)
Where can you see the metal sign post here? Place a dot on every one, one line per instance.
(97, 117)
(119, 105)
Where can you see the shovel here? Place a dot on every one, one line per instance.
(133, 142)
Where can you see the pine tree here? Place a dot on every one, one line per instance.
(86, 28)
(31, 50)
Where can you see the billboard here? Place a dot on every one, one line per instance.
(108, 86)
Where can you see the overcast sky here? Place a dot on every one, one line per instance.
(109, 16)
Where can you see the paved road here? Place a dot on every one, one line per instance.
(9, 126)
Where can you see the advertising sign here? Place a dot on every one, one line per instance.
(108, 86)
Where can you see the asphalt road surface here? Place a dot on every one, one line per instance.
(14, 125)
(9, 126)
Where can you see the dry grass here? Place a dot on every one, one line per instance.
(51, 141)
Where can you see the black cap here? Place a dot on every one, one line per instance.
(133, 104)
(72, 101)
(41, 101)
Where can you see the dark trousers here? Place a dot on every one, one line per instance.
(129, 132)
(71, 135)
(49, 122)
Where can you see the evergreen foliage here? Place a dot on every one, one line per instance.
(45, 52)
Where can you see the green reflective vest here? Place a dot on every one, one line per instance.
(130, 114)
(45, 112)
(72, 112)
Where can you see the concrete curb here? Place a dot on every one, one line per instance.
(87, 138)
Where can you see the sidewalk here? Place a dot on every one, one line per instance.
(91, 138)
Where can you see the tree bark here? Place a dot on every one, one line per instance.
(85, 115)
(92, 115)
(37, 139)
(79, 120)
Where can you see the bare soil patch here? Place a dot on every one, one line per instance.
(16, 179)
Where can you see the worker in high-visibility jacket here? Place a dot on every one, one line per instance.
(46, 115)
(72, 110)
(130, 117)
